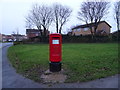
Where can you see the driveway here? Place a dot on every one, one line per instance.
(10, 79)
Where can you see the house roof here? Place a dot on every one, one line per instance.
(90, 24)
(32, 30)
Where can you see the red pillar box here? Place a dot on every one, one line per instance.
(55, 49)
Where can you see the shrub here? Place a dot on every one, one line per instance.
(17, 42)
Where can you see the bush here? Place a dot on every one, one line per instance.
(17, 42)
(76, 39)
(85, 39)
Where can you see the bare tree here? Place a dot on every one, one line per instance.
(61, 15)
(40, 16)
(33, 18)
(117, 14)
(93, 12)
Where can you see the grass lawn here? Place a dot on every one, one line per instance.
(81, 62)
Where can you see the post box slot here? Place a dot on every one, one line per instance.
(56, 37)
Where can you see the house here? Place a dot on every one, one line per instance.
(18, 37)
(102, 29)
(34, 33)
(4, 38)
(12, 37)
(8, 37)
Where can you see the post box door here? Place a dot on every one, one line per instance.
(56, 49)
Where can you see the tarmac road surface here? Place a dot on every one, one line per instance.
(11, 79)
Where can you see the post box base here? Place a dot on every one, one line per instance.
(55, 66)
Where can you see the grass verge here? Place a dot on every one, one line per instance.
(82, 62)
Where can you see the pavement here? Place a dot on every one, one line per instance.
(0, 65)
(11, 79)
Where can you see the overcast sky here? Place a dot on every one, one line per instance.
(13, 13)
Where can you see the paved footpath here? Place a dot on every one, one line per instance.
(10, 79)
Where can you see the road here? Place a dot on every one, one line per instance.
(11, 79)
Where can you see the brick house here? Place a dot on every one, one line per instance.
(18, 37)
(13, 37)
(8, 37)
(34, 33)
(4, 38)
(102, 29)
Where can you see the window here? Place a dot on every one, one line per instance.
(78, 29)
(75, 30)
(85, 29)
